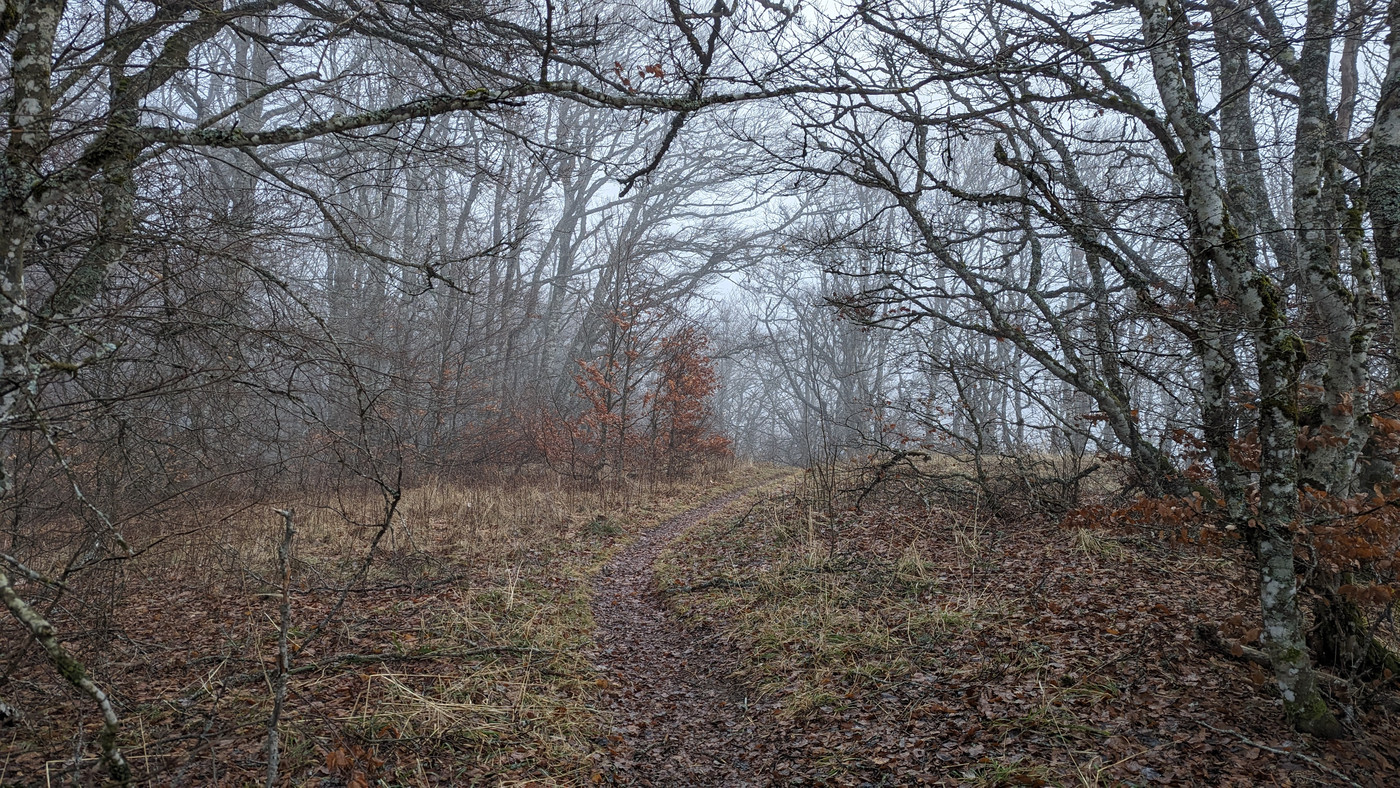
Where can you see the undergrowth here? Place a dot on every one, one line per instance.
(460, 656)
(925, 640)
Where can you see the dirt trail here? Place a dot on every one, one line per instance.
(677, 721)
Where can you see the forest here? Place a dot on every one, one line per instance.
(700, 392)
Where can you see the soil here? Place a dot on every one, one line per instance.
(677, 717)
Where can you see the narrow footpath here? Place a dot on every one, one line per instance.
(677, 720)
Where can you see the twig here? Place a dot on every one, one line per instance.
(392, 496)
(372, 658)
(1211, 637)
(1277, 751)
(30, 573)
(243, 678)
(41, 631)
(745, 517)
(284, 655)
(416, 585)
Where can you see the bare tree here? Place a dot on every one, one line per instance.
(1088, 189)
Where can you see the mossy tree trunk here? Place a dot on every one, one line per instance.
(74, 673)
(1220, 252)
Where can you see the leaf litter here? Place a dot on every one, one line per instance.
(909, 644)
(733, 645)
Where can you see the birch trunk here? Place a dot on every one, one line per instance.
(43, 632)
(1383, 186)
(1278, 350)
(1330, 462)
(30, 75)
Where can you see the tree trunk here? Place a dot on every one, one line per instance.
(73, 671)
(1383, 186)
(1280, 356)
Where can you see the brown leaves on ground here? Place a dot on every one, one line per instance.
(462, 662)
(769, 646)
(675, 717)
(911, 645)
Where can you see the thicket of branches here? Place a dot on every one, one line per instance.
(282, 244)
(1160, 232)
(256, 248)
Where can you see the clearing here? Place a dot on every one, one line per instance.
(720, 631)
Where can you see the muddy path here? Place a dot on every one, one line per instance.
(677, 719)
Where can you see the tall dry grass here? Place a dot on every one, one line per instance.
(462, 651)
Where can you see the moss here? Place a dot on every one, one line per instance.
(1353, 225)
(1342, 638)
(1383, 192)
(1312, 716)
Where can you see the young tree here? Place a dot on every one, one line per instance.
(681, 416)
(214, 231)
(1058, 169)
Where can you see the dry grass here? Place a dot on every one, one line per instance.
(461, 658)
(934, 643)
(815, 629)
(1094, 544)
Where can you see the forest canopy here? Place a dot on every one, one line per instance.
(1143, 254)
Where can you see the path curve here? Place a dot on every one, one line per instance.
(677, 720)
